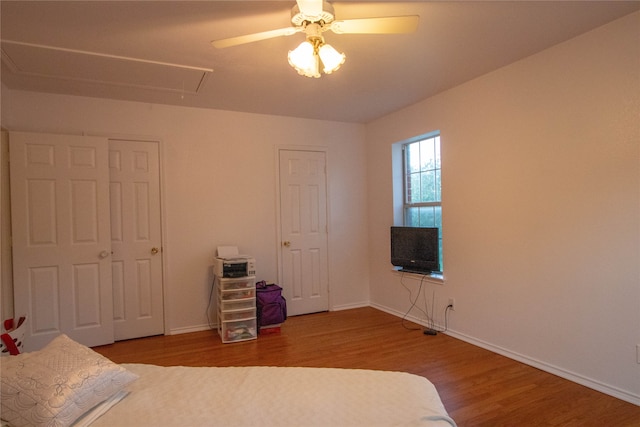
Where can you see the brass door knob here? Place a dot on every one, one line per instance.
(286, 243)
(154, 251)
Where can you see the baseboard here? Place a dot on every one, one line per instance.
(560, 372)
(350, 306)
(408, 317)
(186, 330)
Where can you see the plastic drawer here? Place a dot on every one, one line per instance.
(226, 315)
(241, 330)
(237, 283)
(237, 294)
(242, 304)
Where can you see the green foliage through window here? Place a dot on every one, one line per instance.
(422, 185)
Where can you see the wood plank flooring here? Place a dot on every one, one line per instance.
(478, 387)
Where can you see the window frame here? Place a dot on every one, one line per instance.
(406, 179)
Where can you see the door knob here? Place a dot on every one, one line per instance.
(103, 254)
(286, 243)
(154, 251)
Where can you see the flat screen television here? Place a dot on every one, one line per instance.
(415, 249)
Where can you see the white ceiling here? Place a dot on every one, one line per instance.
(160, 51)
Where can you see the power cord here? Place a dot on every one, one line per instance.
(413, 303)
(213, 285)
(434, 331)
(431, 328)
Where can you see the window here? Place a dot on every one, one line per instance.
(422, 205)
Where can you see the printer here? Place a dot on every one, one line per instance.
(238, 266)
(229, 263)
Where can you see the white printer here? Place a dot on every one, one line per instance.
(234, 267)
(229, 263)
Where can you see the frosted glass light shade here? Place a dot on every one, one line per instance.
(331, 58)
(304, 60)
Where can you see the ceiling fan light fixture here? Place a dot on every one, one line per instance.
(331, 58)
(307, 56)
(305, 60)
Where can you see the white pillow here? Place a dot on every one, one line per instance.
(58, 384)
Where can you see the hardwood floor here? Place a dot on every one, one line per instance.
(478, 387)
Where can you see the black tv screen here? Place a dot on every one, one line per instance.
(415, 249)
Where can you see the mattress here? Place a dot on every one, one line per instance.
(273, 396)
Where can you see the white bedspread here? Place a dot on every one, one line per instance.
(270, 396)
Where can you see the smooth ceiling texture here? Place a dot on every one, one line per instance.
(160, 51)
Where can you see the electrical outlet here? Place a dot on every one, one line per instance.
(452, 303)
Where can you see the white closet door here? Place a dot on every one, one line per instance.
(136, 239)
(61, 237)
(303, 231)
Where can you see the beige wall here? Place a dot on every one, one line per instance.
(219, 181)
(541, 208)
(541, 201)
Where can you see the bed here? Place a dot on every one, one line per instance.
(68, 384)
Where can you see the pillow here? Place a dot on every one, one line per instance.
(58, 384)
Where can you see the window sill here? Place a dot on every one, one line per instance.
(437, 278)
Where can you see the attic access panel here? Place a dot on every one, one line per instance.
(52, 62)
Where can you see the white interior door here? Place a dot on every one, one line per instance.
(304, 235)
(61, 237)
(136, 239)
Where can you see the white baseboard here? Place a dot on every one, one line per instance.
(350, 306)
(562, 373)
(186, 330)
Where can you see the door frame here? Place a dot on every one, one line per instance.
(6, 259)
(278, 246)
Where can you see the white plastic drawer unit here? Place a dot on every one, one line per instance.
(240, 330)
(237, 308)
(237, 283)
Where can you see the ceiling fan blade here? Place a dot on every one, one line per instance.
(310, 8)
(385, 25)
(250, 38)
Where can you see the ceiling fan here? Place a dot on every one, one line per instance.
(314, 17)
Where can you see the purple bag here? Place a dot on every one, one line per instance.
(271, 305)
